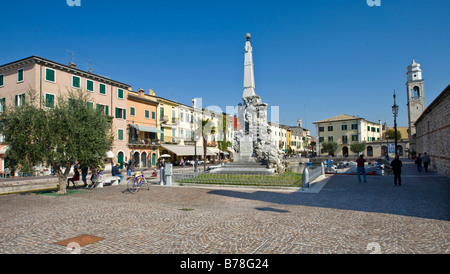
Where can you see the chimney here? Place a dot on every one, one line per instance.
(72, 65)
(141, 93)
(151, 92)
(194, 102)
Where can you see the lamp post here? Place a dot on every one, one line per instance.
(195, 141)
(395, 112)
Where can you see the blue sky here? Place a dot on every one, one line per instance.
(314, 59)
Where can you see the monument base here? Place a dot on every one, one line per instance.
(251, 168)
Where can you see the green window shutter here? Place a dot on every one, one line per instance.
(120, 93)
(49, 100)
(90, 104)
(90, 85)
(124, 113)
(147, 114)
(107, 110)
(1, 80)
(132, 111)
(75, 81)
(99, 108)
(102, 89)
(50, 75)
(153, 115)
(2, 104)
(120, 134)
(161, 112)
(117, 112)
(20, 75)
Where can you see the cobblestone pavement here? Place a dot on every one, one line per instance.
(344, 217)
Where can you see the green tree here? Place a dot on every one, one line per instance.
(391, 135)
(224, 144)
(70, 131)
(207, 129)
(330, 147)
(358, 147)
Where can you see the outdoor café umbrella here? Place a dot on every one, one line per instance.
(165, 156)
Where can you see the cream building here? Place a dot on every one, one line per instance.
(345, 130)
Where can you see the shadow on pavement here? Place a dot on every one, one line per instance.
(421, 195)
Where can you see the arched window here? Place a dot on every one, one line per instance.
(416, 92)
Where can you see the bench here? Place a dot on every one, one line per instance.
(112, 180)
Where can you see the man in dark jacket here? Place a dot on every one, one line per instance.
(396, 165)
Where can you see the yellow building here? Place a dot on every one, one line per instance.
(345, 130)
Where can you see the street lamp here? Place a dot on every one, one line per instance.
(395, 112)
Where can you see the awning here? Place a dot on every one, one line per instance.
(180, 150)
(145, 128)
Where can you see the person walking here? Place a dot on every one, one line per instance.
(418, 163)
(396, 165)
(360, 168)
(426, 161)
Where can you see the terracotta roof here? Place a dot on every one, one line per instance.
(341, 117)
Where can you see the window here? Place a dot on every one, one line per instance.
(153, 115)
(355, 138)
(344, 139)
(132, 111)
(49, 75)
(121, 113)
(76, 82)
(147, 114)
(344, 127)
(161, 112)
(120, 93)
(354, 126)
(330, 128)
(372, 129)
(20, 75)
(368, 128)
(330, 138)
(49, 100)
(378, 129)
(120, 134)
(102, 108)
(321, 139)
(90, 85)
(1, 80)
(102, 88)
(90, 104)
(321, 129)
(2, 104)
(19, 99)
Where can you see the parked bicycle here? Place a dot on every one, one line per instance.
(135, 182)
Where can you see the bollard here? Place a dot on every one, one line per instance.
(168, 174)
(161, 176)
(305, 178)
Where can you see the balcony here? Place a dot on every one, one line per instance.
(142, 142)
(171, 140)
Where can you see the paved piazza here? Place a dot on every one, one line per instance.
(344, 217)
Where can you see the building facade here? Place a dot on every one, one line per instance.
(51, 79)
(345, 130)
(143, 131)
(433, 131)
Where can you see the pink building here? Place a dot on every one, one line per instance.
(50, 79)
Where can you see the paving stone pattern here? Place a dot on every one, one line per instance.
(344, 217)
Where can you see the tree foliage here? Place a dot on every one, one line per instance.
(70, 131)
(358, 147)
(330, 147)
(390, 134)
